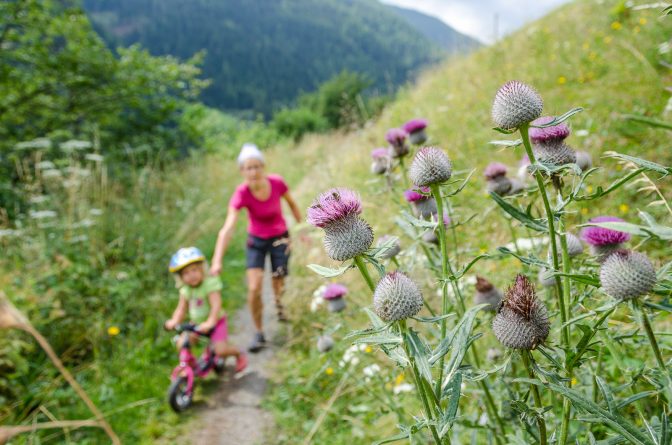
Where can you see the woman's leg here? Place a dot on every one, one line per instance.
(280, 250)
(278, 291)
(255, 277)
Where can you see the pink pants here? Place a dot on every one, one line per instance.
(220, 332)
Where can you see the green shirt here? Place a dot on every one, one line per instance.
(197, 298)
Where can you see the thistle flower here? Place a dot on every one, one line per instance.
(496, 180)
(522, 320)
(431, 236)
(626, 275)
(487, 293)
(545, 135)
(325, 343)
(346, 235)
(416, 131)
(392, 250)
(396, 297)
(517, 186)
(584, 160)
(429, 167)
(333, 294)
(516, 104)
(397, 140)
(574, 245)
(381, 161)
(602, 241)
(493, 354)
(546, 278)
(424, 205)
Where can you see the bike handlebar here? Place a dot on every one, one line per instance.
(190, 327)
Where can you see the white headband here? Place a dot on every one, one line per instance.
(249, 151)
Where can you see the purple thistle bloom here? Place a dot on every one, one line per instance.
(396, 136)
(600, 236)
(333, 205)
(412, 195)
(382, 152)
(334, 291)
(554, 133)
(494, 169)
(415, 125)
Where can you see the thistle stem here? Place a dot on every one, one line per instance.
(524, 133)
(649, 333)
(361, 265)
(418, 383)
(537, 398)
(566, 297)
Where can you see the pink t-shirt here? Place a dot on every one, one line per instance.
(266, 220)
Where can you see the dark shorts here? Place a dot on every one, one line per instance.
(277, 247)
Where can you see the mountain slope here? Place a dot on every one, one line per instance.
(437, 31)
(261, 54)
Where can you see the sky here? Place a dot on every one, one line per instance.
(476, 18)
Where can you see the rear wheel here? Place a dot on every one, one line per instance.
(178, 397)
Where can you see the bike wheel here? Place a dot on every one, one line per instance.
(220, 365)
(178, 397)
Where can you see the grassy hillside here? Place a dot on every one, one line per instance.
(591, 54)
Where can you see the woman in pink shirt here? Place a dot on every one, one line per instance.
(261, 195)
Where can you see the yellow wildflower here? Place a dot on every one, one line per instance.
(623, 208)
(562, 80)
(574, 381)
(368, 349)
(399, 380)
(329, 371)
(592, 55)
(642, 21)
(589, 188)
(616, 26)
(586, 46)
(608, 39)
(112, 331)
(584, 211)
(636, 29)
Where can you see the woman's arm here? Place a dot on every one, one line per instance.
(215, 300)
(294, 208)
(223, 239)
(178, 315)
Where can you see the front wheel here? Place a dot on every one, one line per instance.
(178, 397)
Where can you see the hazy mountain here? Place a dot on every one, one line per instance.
(263, 53)
(437, 31)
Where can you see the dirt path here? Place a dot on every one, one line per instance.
(232, 413)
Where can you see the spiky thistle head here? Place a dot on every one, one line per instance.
(626, 275)
(347, 238)
(554, 153)
(334, 205)
(430, 166)
(584, 160)
(601, 236)
(334, 290)
(554, 133)
(396, 297)
(494, 169)
(522, 320)
(516, 104)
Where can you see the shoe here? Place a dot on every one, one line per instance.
(258, 342)
(241, 362)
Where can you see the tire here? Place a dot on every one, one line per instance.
(178, 399)
(219, 365)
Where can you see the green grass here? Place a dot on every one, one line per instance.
(585, 54)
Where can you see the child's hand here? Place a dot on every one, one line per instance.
(205, 327)
(169, 325)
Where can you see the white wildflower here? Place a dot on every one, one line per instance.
(371, 370)
(95, 212)
(582, 133)
(73, 145)
(45, 165)
(95, 157)
(39, 143)
(403, 387)
(42, 214)
(51, 173)
(39, 199)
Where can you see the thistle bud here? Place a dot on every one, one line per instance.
(424, 205)
(626, 275)
(522, 320)
(487, 293)
(325, 343)
(381, 161)
(429, 167)
(496, 180)
(397, 140)
(515, 105)
(334, 296)
(396, 297)
(416, 131)
(393, 250)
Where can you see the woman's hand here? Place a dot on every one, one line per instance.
(215, 269)
(169, 325)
